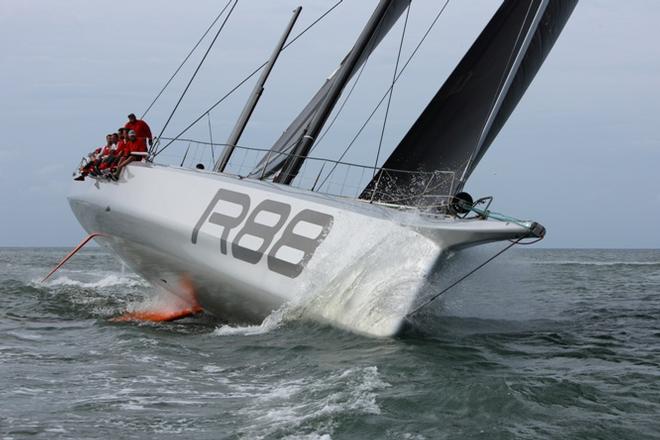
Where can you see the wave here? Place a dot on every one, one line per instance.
(285, 408)
(597, 263)
(105, 282)
(270, 323)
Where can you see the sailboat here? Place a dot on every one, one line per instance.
(248, 243)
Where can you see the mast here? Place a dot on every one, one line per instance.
(254, 96)
(306, 141)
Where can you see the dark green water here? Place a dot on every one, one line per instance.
(543, 344)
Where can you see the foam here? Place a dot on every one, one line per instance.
(105, 282)
(310, 436)
(271, 322)
(365, 286)
(377, 280)
(290, 405)
(161, 300)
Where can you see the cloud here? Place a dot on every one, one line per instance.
(587, 125)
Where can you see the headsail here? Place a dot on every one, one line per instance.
(468, 111)
(280, 151)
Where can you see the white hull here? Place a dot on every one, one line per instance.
(363, 265)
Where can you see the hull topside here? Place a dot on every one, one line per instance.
(250, 247)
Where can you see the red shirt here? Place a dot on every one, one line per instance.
(141, 129)
(135, 147)
(121, 148)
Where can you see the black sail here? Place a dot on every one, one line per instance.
(467, 113)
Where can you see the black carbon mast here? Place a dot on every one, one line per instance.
(467, 113)
(289, 151)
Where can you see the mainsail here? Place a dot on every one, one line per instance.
(390, 11)
(468, 111)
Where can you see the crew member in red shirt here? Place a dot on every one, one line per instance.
(141, 129)
(115, 154)
(121, 143)
(134, 150)
(135, 147)
(92, 161)
(107, 154)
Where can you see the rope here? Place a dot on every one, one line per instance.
(185, 60)
(461, 279)
(485, 213)
(246, 79)
(391, 90)
(412, 55)
(217, 34)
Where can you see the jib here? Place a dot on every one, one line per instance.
(303, 245)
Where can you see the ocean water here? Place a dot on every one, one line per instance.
(540, 344)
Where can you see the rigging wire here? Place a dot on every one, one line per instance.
(412, 55)
(348, 95)
(391, 90)
(461, 279)
(199, 66)
(246, 79)
(332, 122)
(505, 74)
(185, 60)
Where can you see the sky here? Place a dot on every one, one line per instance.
(580, 154)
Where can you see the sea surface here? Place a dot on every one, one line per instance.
(561, 344)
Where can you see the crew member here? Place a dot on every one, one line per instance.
(134, 150)
(96, 158)
(115, 154)
(134, 146)
(141, 129)
(105, 158)
(121, 143)
(89, 162)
